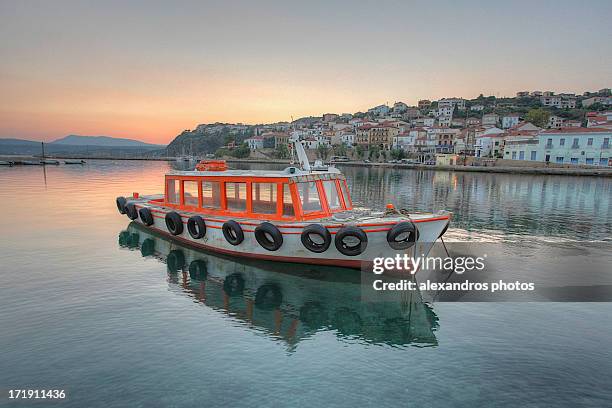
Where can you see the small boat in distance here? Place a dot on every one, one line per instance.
(292, 215)
(74, 162)
(50, 161)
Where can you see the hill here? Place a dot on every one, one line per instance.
(106, 141)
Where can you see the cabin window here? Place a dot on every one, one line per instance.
(333, 198)
(211, 194)
(309, 196)
(288, 210)
(345, 193)
(235, 193)
(171, 193)
(264, 197)
(190, 193)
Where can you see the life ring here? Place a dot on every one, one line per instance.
(268, 297)
(232, 231)
(175, 260)
(233, 285)
(174, 223)
(198, 270)
(196, 227)
(268, 236)
(348, 248)
(146, 216)
(131, 211)
(121, 202)
(322, 242)
(402, 235)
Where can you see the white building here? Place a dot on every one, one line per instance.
(348, 139)
(490, 119)
(477, 108)
(445, 121)
(589, 146)
(445, 111)
(380, 110)
(509, 120)
(604, 100)
(452, 102)
(400, 107)
(490, 143)
(558, 101)
(255, 142)
(555, 122)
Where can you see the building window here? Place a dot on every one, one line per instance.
(235, 194)
(190, 193)
(590, 141)
(562, 142)
(264, 198)
(513, 155)
(603, 161)
(574, 160)
(171, 192)
(522, 155)
(560, 160)
(575, 144)
(589, 161)
(534, 155)
(309, 196)
(606, 143)
(549, 143)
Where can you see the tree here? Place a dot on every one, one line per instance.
(281, 151)
(340, 150)
(398, 154)
(242, 151)
(538, 117)
(374, 152)
(360, 151)
(323, 151)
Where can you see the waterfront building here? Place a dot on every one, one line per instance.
(489, 143)
(586, 146)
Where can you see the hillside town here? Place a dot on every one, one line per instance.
(534, 126)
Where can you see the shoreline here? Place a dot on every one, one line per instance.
(555, 171)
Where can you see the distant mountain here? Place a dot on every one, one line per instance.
(104, 141)
(79, 145)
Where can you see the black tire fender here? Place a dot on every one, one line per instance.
(196, 227)
(319, 230)
(174, 223)
(232, 231)
(351, 232)
(146, 216)
(131, 211)
(175, 260)
(268, 236)
(121, 202)
(402, 235)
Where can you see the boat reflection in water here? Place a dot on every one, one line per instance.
(288, 301)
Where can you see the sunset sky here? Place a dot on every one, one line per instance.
(149, 69)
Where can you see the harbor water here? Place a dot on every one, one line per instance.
(119, 317)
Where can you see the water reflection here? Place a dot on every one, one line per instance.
(567, 207)
(288, 302)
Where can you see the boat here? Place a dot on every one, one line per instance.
(29, 163)
(50, 161)
(302, 214)
(74, 162)
(5, 163)
(287, 302)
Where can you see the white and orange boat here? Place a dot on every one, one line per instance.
(301, 214)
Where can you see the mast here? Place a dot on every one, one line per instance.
(299, 150)
(42, 144)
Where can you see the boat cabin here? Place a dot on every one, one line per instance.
(290, 195)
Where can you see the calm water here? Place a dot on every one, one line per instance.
(119, 317)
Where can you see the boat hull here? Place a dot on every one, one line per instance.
(292, 250)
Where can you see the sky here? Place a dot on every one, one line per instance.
(150, 69)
